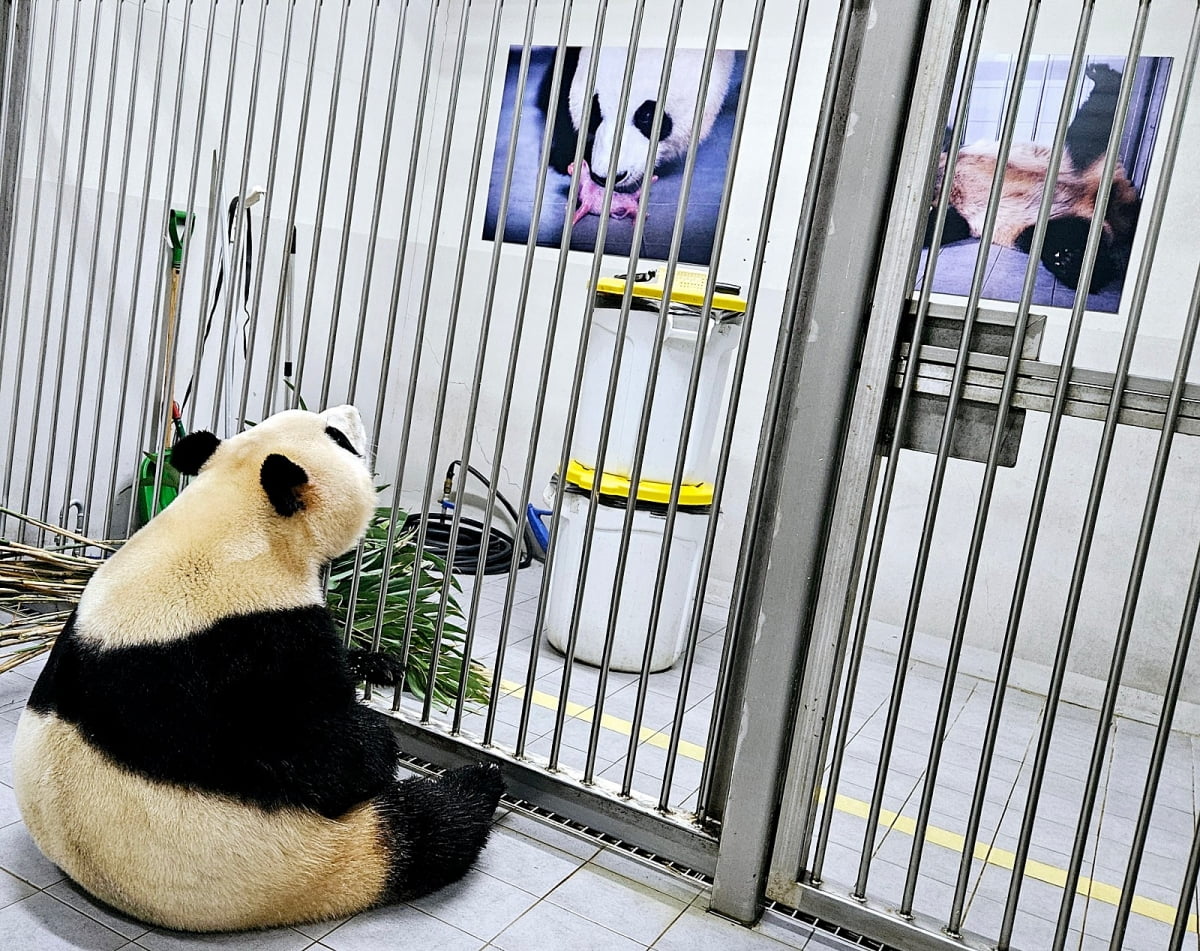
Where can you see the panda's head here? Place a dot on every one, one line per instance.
(299, 477)
(675, 130)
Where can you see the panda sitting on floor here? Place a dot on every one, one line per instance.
(1074, 193)
(194, 753)
(675, 129)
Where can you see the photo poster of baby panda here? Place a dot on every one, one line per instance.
(628, 170)
(1095, 104)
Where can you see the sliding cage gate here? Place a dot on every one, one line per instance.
(995, 740)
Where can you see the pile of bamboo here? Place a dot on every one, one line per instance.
(40, 586)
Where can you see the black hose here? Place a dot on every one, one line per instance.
(470, 533)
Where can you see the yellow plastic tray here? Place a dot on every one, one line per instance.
(688, 288)
(690, 495)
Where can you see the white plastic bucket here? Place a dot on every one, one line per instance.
(637, 592)
(675, 366)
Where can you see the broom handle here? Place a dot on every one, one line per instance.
(172, 304)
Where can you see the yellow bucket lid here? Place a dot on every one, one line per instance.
(688, 288)
(690, 495)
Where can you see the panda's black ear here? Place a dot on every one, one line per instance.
(190, 453)
(282, 478)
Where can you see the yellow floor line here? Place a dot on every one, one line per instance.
(1001, 858)
(578, 711)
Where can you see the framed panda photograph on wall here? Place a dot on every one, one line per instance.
(1076, 188)
(627, 171)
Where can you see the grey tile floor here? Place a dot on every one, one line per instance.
(659, 707)
(537, 886)
(531, 887)
(1006, 273)
(1108, 837)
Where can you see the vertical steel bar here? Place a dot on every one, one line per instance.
(418, 558)
(1187, 893)
(897, 691)
(544, 376)
(152, 140)
(365, 296)
(15, 74)
(937, 32)
(514, 352)
(102, 204)
(118, 247)
(10, 45)
(67, 310)
(1146, 529)
(162, 413)
(1187, 627)
(187, 244)
(170, 336)
(264, 232)
(339, 282)
(72, 245)
(489, 301)
(240, 223)
(217, 214)
(760, 247)
(815, 370)
(656, 349)
(572, 406)
(56, 231)
(460, 270)
(924, 547)
(389, 115)
(1060, 660)
(289, 230)
(1041, 100)
(16, 109)
(335, 91)
(962, 612)
(839, 743)
(774, 396)
(418, 337)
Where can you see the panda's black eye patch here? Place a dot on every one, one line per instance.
(596, 117)
(643, 120)
(339, 437)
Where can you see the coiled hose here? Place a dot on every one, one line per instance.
(470, 532)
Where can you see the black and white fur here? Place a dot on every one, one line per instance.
(193, 753)
(1074, 194)
(675, 129)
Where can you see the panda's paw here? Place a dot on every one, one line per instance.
(375, 667)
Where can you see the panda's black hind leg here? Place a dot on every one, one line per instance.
(955, 228)
(1063, 253)
(437, 827)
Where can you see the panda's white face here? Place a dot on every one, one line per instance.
(675, 130)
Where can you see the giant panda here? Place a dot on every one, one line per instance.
(675, 130)
(1074, 193)
(193, 753)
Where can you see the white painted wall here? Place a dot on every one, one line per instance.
(136, 279)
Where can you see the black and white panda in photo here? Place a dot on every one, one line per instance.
(1074, 194)
(675, 130)
(193, 753)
